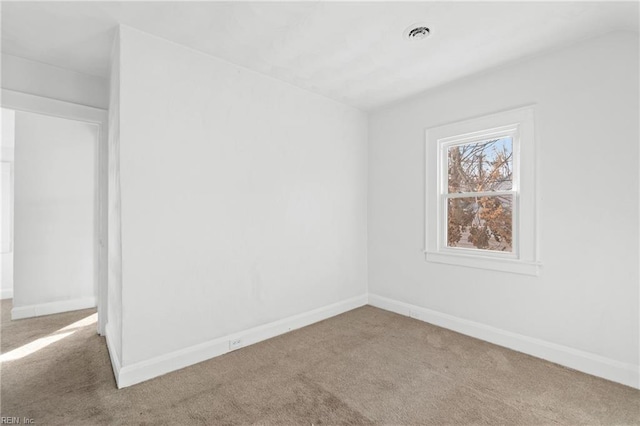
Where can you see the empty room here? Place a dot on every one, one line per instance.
(308, 212)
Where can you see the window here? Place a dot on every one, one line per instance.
(481, 209)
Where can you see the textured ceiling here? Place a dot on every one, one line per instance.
(351, 52)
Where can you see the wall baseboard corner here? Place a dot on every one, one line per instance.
(39, 310)
(128, 375)
(586, 362)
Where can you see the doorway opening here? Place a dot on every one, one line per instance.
(53, 207)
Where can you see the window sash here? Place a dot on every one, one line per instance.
(515, 220)
(511, 131)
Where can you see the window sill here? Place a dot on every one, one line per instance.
(486, 262)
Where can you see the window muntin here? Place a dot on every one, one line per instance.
(478, 194)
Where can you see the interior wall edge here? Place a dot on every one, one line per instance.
(113, 281)
(113, 353)
(6, 294)
(586, 362)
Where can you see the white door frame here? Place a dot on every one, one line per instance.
(25, 102)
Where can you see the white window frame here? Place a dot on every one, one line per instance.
(519, 125)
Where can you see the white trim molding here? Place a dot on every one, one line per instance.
(27, 102)
(518, 125)
(128, 375)
(6, 293)
(505, 265)
(586, 362)
(30, 311)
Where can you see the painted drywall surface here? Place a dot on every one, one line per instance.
(243, 198)
(54, 223)
(23, 75)
(7, 145)
(114, 274)
(586, 297)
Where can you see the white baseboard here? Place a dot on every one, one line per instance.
(607, 368)
(6, 294)
(131, 374)
(30, 311)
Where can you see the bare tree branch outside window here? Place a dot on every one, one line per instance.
(481, 221)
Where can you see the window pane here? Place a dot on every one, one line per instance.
(481, 166)
(480, 222)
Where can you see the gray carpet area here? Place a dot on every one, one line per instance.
(366, 366)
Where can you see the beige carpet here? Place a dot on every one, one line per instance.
(367, 366)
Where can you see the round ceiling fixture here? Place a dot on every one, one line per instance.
(417, 32)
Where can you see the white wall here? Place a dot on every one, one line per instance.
(586, 297)
(7, 144)
(55, 207)
(243, 198)
(23, 75)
